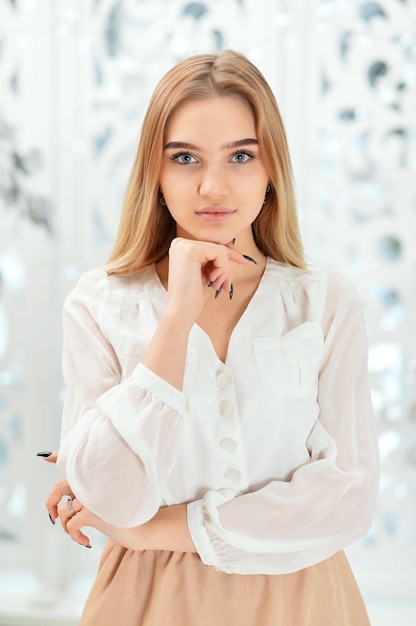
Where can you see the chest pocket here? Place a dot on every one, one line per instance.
(289, 365)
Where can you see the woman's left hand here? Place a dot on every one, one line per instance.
(62, 503)
(74, 516)
(167, 530)
(70, 511)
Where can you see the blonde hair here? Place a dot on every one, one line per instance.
(146, 226)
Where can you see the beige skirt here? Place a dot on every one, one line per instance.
(161, 588)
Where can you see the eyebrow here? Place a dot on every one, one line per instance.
(227, 146)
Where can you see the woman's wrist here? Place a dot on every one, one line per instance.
(166, 354)
(168, 530)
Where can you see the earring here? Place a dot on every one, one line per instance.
(267, 191)
(162, 200)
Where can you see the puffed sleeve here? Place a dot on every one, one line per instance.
(328, 502)
(119, 438)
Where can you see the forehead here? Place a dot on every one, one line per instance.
(220, 114)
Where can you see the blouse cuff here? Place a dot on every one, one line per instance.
(199, 535)
(160, 388)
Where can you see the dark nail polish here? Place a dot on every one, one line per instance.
(51, 518)
(231, 291)
(44, 454)
(217, 293)
(249, 258)
(84, 546)
(212, 282)
(233, 241)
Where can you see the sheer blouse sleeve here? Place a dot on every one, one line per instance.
(328, 502)
(119, 437)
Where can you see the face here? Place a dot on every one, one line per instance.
(212, 175)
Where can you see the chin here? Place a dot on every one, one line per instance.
(210, 237)
(222, 241)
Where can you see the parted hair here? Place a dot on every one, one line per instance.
(146, 227)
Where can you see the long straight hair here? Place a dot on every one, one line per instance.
(146, 227)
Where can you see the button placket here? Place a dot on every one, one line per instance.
(229, 443)
(227, 409)
(232, 475)
(223, 379)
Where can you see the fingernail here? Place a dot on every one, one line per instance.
(249, 258)
(217, 293)
(83, 544)
(44, 454)
(51, 518)
(212, 282)
(231, 291)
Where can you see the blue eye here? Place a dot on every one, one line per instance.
(241, 157)
(184, 158)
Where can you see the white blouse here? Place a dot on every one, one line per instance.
(274, 450)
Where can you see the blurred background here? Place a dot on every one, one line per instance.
(75, 79)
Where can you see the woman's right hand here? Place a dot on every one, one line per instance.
(195, 268)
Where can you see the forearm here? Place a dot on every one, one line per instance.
(167, 530)
(193, 268)
(166, 354)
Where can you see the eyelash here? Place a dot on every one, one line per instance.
(175, 157)
(246, 153)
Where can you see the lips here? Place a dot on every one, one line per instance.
(215, 214)
(215, 209)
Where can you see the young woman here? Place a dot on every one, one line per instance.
(218, 426)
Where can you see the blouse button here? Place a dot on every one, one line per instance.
(229, 444)
(232, 475)
(223, 380)
(227, 409)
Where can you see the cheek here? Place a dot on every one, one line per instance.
(254, 195)
(174, 186)
(178, 207)
(253, 184)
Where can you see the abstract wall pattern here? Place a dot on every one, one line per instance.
(366, 226)
(75, 78)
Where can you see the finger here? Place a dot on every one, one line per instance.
(51, 458)
(218, 270)
(239, 257)
(74, 526)
(67, 509)
(207, 252)
(223, 282)
(65, 515)
(216, 279)
(220, 278)
(61, 488)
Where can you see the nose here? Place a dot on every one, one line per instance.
(214, 183)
